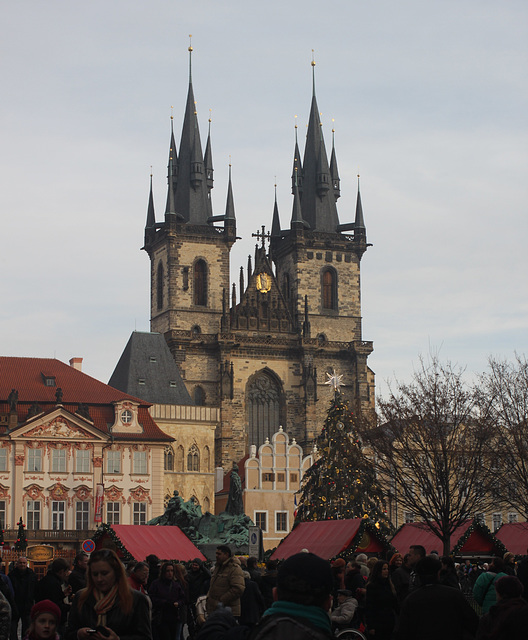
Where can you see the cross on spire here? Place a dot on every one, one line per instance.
(262, 236)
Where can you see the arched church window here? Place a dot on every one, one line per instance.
(264, 407)
(179, 458)
(169, 459)
(199, 396)
(159, 286)
(193, 459)
(200, 283)
(329, 289)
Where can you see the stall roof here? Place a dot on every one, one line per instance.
(514, 536)
(328, 538)
(471, 538)
(168, 543)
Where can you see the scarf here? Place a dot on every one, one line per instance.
(315, 615)
(103, 604)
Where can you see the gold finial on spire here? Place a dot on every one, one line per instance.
(313, 73)
(172, 112)
(210, 113)
(190, 42)
(313, 58)
(229, 159)
(295, 121)
(151, 171)
(333, 129)
(195, 112)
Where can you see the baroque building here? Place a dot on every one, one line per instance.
(260, 356)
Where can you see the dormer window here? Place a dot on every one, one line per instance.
(126, 417)
(49, 381)
(141, 381)
(152, 359)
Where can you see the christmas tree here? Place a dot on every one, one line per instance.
(21, 541)
(341, 483)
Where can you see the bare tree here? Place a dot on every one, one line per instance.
(506, 385)
(432, 448)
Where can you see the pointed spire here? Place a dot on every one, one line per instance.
(230, 203)
(334, 172)
(208, 158)
(296, 219)
(360, 221)
(151, 218)
(275, 224)
(169, 207)
(241, 278)
(249, 267)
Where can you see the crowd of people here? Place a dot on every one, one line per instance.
(415, 596)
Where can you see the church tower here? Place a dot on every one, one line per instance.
(260, 356)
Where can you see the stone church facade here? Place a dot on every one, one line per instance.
(262, 360)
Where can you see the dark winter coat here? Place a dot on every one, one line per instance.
(50, 588)
(77, 579)
(5, 617)
(381, 607)
(198, 583)
(24, 585)
(267, 584)
(506, 620)
(448, 578)
(132, 626)
(164, 593)
(401, 579)
(227, 585)
(251, 604)
(436, 612)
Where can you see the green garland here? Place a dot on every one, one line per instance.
(482, 528)
(106, 530)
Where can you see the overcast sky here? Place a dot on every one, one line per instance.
(430, 102)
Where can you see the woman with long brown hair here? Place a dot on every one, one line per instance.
(381, 602)
(108, 609)
(168, 599)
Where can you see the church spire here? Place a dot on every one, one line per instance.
(297, 219)
(297, 166)
(150, 226)
(334, 172)
(230, 203)
(359, 224)
(275, 223)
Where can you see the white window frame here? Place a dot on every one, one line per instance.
(58, 515)
(82, 460)
(139, 513)
(139, 463)
(3, 459)
(264, 529)
(82, 513)
(58, 461)
(496, 521)
(408, 517)
(111, 458)
(481, 517)
(34, 459)
(513, 516)
(113, 509)
(281, 513)
(33, 513)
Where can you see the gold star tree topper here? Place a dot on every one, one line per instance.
(335, 380)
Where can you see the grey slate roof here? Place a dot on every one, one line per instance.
(146, 369)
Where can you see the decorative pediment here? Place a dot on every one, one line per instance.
(58, 491)
(58, 427)
(82, 492)
(126, 417)
(139, 494)
(5, 493)
(114, 494)
(33, 492)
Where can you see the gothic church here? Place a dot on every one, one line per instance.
(263, 361)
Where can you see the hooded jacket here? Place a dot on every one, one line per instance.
(227, 585)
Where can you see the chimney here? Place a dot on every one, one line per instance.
(76, 363)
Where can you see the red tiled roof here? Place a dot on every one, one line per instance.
(514, 536)
(168, 543)
(26, 376)
(326, 538)
(418, 533)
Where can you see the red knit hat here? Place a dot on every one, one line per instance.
(45, 606)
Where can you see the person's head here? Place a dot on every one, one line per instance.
(180, 574)
(223, 553)
(81, 561)
(396, 561)
(361, 558)
(271, 565)
(343, 595)
(509, 558)
(371, 563)
(427, 570)
(338, 566)
(21, 563)
(167, 571)
(45, 617)
(447, 563)
(379, 572)
(152, 559)
(196, 565)
(61, 568)
(508, 587)
(496, 565)
(106, 571)
(252, 563)
(305, 579)
(141, 571)
(353, 567)
(416, 553)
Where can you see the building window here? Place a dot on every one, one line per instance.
(281, 477)
(159, 287)
(34, 460)
(261, 520)
(58, 511)
(481, 518)
(113, 511)
(113, 462)
(140, 513)
(329, 289)
(264, 407)
(199, 396)
(3, 459)
(200, 283)
(82, 516)
(268, 477)
(496, 520)
(513, 517)
(33, 515)
(169, 458)
(408, 517)
(2, 514)
(293, 477)
(58, 460)
(281, 521)
(82, 460)
(140, 462)
(126, 417)
(193, 459)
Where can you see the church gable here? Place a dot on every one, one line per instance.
(262, 306)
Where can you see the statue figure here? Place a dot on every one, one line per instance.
(235, 506)
(58, 395)
(13, 400)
